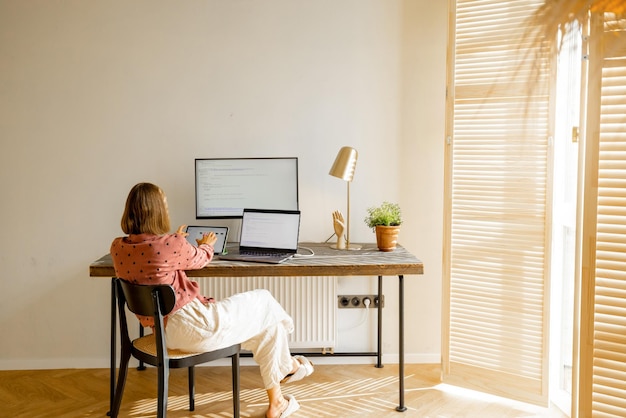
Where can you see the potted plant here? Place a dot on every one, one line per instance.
(385, 220)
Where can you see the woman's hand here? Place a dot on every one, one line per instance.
(209, 239)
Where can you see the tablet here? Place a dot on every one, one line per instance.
(196, 232)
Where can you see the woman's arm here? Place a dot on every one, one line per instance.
(192, 257)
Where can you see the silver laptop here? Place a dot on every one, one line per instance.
(221, 232)
(267, 236)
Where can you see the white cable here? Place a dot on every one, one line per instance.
(367, 302)
(361, 321)
(312, 253)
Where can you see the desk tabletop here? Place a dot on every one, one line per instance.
(326, 261)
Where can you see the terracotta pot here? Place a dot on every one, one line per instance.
(387, 237)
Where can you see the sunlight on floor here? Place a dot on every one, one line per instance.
(532, 410)
(367, 397)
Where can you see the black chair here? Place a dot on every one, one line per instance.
(157, 301)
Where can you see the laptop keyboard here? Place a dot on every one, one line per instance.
(261, 253)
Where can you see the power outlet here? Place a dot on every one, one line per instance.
(359, 301)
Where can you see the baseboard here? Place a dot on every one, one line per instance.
(54, 364)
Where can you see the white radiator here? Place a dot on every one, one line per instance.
(311, 302)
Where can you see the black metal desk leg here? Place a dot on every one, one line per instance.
(113, 342)
(401, 407)
(379, 351)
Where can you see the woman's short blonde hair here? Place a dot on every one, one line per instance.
(146, 211)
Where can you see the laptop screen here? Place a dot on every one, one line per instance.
(270, 229)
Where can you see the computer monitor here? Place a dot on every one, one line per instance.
(227, 186)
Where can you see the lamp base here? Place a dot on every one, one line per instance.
(350, 247)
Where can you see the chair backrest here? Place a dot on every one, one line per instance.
(147, 300)
(141, 299)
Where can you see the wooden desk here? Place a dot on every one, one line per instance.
(325, 262)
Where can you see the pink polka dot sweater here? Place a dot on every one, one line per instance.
(161, 259)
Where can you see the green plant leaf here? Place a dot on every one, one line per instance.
(387, 214)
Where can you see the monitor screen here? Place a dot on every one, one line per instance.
(227, 186)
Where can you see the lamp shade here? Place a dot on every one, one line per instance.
(344, 164)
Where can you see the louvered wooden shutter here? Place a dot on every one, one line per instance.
(495, 298)
(603, 303)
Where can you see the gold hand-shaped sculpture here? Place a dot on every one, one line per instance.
(339, 226)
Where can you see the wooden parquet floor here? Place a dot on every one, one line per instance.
(332, 391)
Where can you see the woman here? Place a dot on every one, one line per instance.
(150, 255)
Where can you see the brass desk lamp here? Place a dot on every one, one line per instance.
(343, 168)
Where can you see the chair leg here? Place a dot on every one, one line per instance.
(192, 390)
(121, 382)
(235, 373)
(164, 374)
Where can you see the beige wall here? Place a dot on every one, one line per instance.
(96, 96)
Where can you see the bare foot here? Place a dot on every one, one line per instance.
(275, 410)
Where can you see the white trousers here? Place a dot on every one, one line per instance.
(253, 319)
